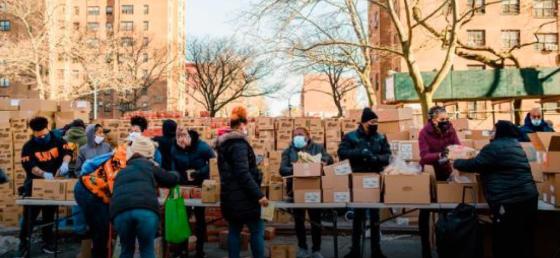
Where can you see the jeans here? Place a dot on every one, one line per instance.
(256, 228)
(514, 229)
(136, 224)
(97, 218)
(358, 229)
(79, 220)
(299, 219)
(32, 212)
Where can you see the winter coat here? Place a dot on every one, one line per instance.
(240, 178)
(504, 171)
(136, 186)
(91, 149)
(196, 156)
(528, 128)
(365, 153)
(432, 144)
(166, 142)
(290, 155)
(76, 138)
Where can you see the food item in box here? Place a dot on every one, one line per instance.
(210, 192)
(461, 152)
(399, 167)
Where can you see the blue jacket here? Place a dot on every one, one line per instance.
(197, 157)
(528, 128)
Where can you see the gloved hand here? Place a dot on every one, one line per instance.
(48, 176)
(63, 169)
(366, 153)
(443, 158)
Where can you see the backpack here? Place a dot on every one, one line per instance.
(100, 182)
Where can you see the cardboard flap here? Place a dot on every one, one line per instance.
(554, 143)
(541, 140)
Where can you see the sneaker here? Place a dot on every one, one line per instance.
(302, 253)
(49, 249)
(21, 253)
(316, 254)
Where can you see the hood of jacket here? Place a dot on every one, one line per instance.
(169, 128)
(90, 134)
(230, 135)
(76, 135)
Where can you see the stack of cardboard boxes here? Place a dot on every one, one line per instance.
(284, 128)
(336, 182)
(333, 136)
(546, 167)
(307, 182)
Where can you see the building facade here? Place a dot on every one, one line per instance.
(317, 100)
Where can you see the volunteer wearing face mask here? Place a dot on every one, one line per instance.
(368, 151)
(302, 142)
(96, 145)
(534, 123)
(139, 124)
(433, 140)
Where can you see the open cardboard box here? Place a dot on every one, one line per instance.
(549, 143)
(407, 189)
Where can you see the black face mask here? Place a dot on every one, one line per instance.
(372, 129)
(443, 125)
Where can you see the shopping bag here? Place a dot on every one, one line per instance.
(177, 228)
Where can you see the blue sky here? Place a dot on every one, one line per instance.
(219, 18)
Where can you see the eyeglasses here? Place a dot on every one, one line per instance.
(536, 117)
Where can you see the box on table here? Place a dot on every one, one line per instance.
(307, 189)
(210, 192)
(335, 182)
(366, 187)
(307, 169)
(63, 118)
(342, 168)
(461, 124)
(39, 105)
(70, 184)
(537, 171)
(449, 192)
(336, 195)
(275, 191)
(49, 189)
(407, 189)
(282, 251)
(530, 151)
(409, 150)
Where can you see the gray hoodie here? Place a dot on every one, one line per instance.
(91, 149)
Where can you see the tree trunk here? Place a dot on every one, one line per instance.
(339, 108)
(366, 82)
(518, 114)
(426, 102)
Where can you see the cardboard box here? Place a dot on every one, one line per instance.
(407, 189)
(413, 133)
(65, 106)
(348, 125)
(396, 114)
(342, 168)
(461, 124)
(318, 136)
(409, 150)
(335, 182)
(530, 151)
(453, 192)
(49, 189)
(549, 143)
(282, 251)
(332, 146)
(366, 195)
(285, 123)
(336, 195)
(9, 104)
(366, 181)
(307, 169)
(284, 135)
(537, 171)
(307, 196)
(63, 118)
(332, 124)
(210, 192)
(275, 191)
(38, 105)
(70, 184)
(307, 183)
(478, 134)
(213, 165)
(398, 136)
(395, 126)
(265, 123)
(333, 135)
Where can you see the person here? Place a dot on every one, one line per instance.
(190, 157)
(534, 123)
(241, 197)
(166, 141)
(509, 188)
(302, 142)
(138, 125)
(368, 151)
(95, 146)
(42, 157)
(433, 140)
(134, 206)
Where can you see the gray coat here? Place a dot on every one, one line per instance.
(91, 149)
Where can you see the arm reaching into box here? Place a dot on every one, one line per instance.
(165, 178)
(485, 158)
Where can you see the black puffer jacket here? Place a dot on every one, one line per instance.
(136, 186)
(240, 178)
(290, 155)
(504, 171)
(366, 153)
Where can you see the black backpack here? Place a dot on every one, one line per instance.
(458, 233)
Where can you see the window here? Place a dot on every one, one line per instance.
(5, 25)
(145, 41)
(477, 5)
(75, 74)
(76, 10)
(109, 11)
(127, 26)
(544, 8)
(126, 41)
(93, 26)
(145, 57)
(93, 10)
(146, 25)
(476, 67)
(128, 9)
(547, 42)
(4, 82)
(76, 25)
(146, 9)
(510, 38)
(476, 38)
(109, 27)
(510, 7)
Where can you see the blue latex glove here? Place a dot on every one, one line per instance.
(48, 176)
(63, 169)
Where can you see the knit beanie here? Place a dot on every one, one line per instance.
(368, 114)
(143, 146)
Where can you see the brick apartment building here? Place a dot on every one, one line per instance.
(315, 98)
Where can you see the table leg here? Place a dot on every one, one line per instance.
(363, 236)
(56, 232)
(335, 233)
(28, 219)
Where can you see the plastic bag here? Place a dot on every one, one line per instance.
(305, 157)
(461, 152)
(399, 167)
(460, 179)
(177, 228)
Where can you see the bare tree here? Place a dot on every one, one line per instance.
(348, 15)
(221, 73)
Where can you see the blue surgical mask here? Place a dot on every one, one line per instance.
(300, 142)
(536, 122)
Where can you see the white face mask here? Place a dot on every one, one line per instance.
(536, 122)
(99, 139)
(133, 135)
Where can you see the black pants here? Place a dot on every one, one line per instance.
(97, 218)
(299, 219)
(32, 212)
(424, 228)
(200, 227)
(358, 226)
(514, 229)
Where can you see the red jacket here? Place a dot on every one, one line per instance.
(432, 144)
